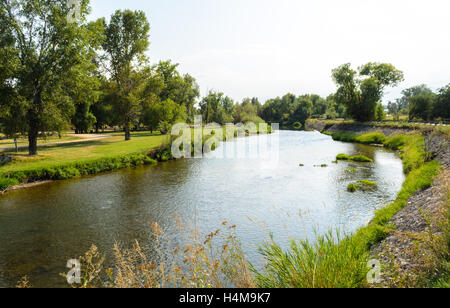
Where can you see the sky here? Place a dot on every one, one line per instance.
(267, 48)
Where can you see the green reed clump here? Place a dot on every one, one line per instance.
(331, 261)
(361, 185)
(371, 138)
(356, 158)
(352, 187)
(344, 136)
(339, 262)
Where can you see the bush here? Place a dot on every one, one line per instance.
(7, 182)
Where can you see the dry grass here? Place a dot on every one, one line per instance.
(216, 261)
(429, 252)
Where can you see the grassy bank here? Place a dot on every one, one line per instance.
(66, 161)
(336, 261)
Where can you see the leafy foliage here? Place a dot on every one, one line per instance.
(361, 91)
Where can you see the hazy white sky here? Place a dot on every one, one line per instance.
(266, 48)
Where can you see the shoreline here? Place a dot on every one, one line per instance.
(407, 250)
(151, 156)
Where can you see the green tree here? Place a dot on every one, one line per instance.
(442, 105)
(164, 114)
(40, 49)
(303, 110)
(127, 39)
(361, 91)
(214, 107)
(421, 106)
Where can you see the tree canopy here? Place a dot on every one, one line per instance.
(360, 91)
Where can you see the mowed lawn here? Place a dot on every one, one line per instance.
(6, 143)
(83, 151)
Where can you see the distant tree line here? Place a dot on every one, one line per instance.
(56, 74)
(421, 103)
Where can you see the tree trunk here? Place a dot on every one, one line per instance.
(127, 132)
(33, 123)
(32, 139)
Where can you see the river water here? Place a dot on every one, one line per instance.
(41, 228)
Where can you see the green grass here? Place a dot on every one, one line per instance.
(50, 156)
(21, 142)
(363, 185)
(66, 161)
(344, 136)
(371, 138)
(352, 187)
(356, 158)
(6, 182)
(334, 262)
(330, 262)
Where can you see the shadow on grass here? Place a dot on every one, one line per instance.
(80, 144)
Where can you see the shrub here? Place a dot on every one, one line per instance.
(7, 182)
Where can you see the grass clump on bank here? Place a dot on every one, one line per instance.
(330, 262)
(370, 138)
(334, 263)
(363, 185)
(356, 158)
(7, 182)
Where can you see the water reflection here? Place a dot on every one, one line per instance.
(41, 228)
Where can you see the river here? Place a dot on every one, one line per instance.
(41, 228)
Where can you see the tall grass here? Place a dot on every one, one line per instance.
(334, 262)
(330, 262)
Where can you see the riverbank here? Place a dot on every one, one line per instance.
(64, 161)
(87, 157)
(413, 243)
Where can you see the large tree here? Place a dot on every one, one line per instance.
(361, 90)
(127, 39)
(442, 105)
(41, 47)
